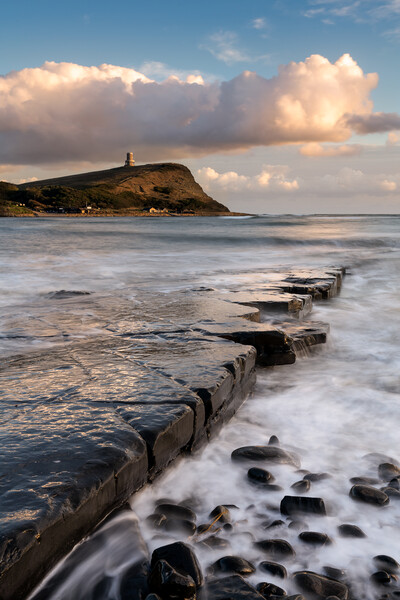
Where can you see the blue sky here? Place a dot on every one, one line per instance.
(217, 40)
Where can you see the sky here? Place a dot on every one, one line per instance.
(276, 106)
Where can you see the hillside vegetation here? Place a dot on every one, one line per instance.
(165, 186)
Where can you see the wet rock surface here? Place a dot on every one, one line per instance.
(321, 586)
(107, 411)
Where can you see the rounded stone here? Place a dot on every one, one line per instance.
(315, 538)
(369, 495)
(276, 548)
(386, 563)
(273, 568)
(347, 530)
(233, 564)
(301, 486)
(257, 475)
(270, 590)
(387, 471)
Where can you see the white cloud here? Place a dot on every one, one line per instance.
(161, 71)
(315, 149)
(260, 23)
(393, 138)
(271, 177)
(224, 46)
(65, 112)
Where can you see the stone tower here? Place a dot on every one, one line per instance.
(129, 160)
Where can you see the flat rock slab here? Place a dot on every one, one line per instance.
(64, 466)
(106, 391)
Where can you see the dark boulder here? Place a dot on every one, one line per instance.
(233, 587)
(270, 590)
(347, 530)
(222, 513)
(276, 548)
(320, 586)
(179, 525)
(316, 476)
(368, 494)
(386, 563)
(261, 476)
(392, 493)
(290, 505)
(272, 454)
(182, 558)
(233, 564)
(334, 573)
(387, 471)
(364, 480)
(273, 441)
(381, 578)
(169, 583)
(176, 511)
(275, 569)
(273, 525)
(301, 486)
(216, 543)
(315, 538)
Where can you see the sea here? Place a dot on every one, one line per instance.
(338, 406)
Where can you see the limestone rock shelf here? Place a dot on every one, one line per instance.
(87, 420)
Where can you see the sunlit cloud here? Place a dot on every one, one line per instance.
(315, 149)
(161, 71)
(393, 138)
(64, 112)
(272, 177)
(374, 123)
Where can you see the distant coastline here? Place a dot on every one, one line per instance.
(161, 189)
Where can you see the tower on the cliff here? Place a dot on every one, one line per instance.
(129, 160)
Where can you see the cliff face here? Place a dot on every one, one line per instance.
(161, 186)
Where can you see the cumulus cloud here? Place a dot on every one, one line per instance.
(374, 123)
(316, 149)
(65, 112)
(272, 177)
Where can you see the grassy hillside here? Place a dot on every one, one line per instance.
(161, 186)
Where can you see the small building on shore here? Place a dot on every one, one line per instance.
(129, 160)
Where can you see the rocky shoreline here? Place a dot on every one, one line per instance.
(90, 423)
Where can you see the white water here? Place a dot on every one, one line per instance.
(332, 407)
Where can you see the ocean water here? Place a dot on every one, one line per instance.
(333, 407)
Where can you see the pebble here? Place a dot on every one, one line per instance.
(386, 563)
(315, 538)
(272, 454)
(380, 578)
(392, 493)
(301, 486)
(276, 547)
(273, 441)
(182, 558)
(302, 504)
(347, 530)
(387, 471)
(364, 480)
(216, 543)
(222, 512)
(166, 581)
(273, 525)
(270, 590)
(274, 568)
(233, 564)
(258, 475)
(176, 511)
(321, 586)
(316, 476)
(368, 494)
(182, 525)
(334, 572)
